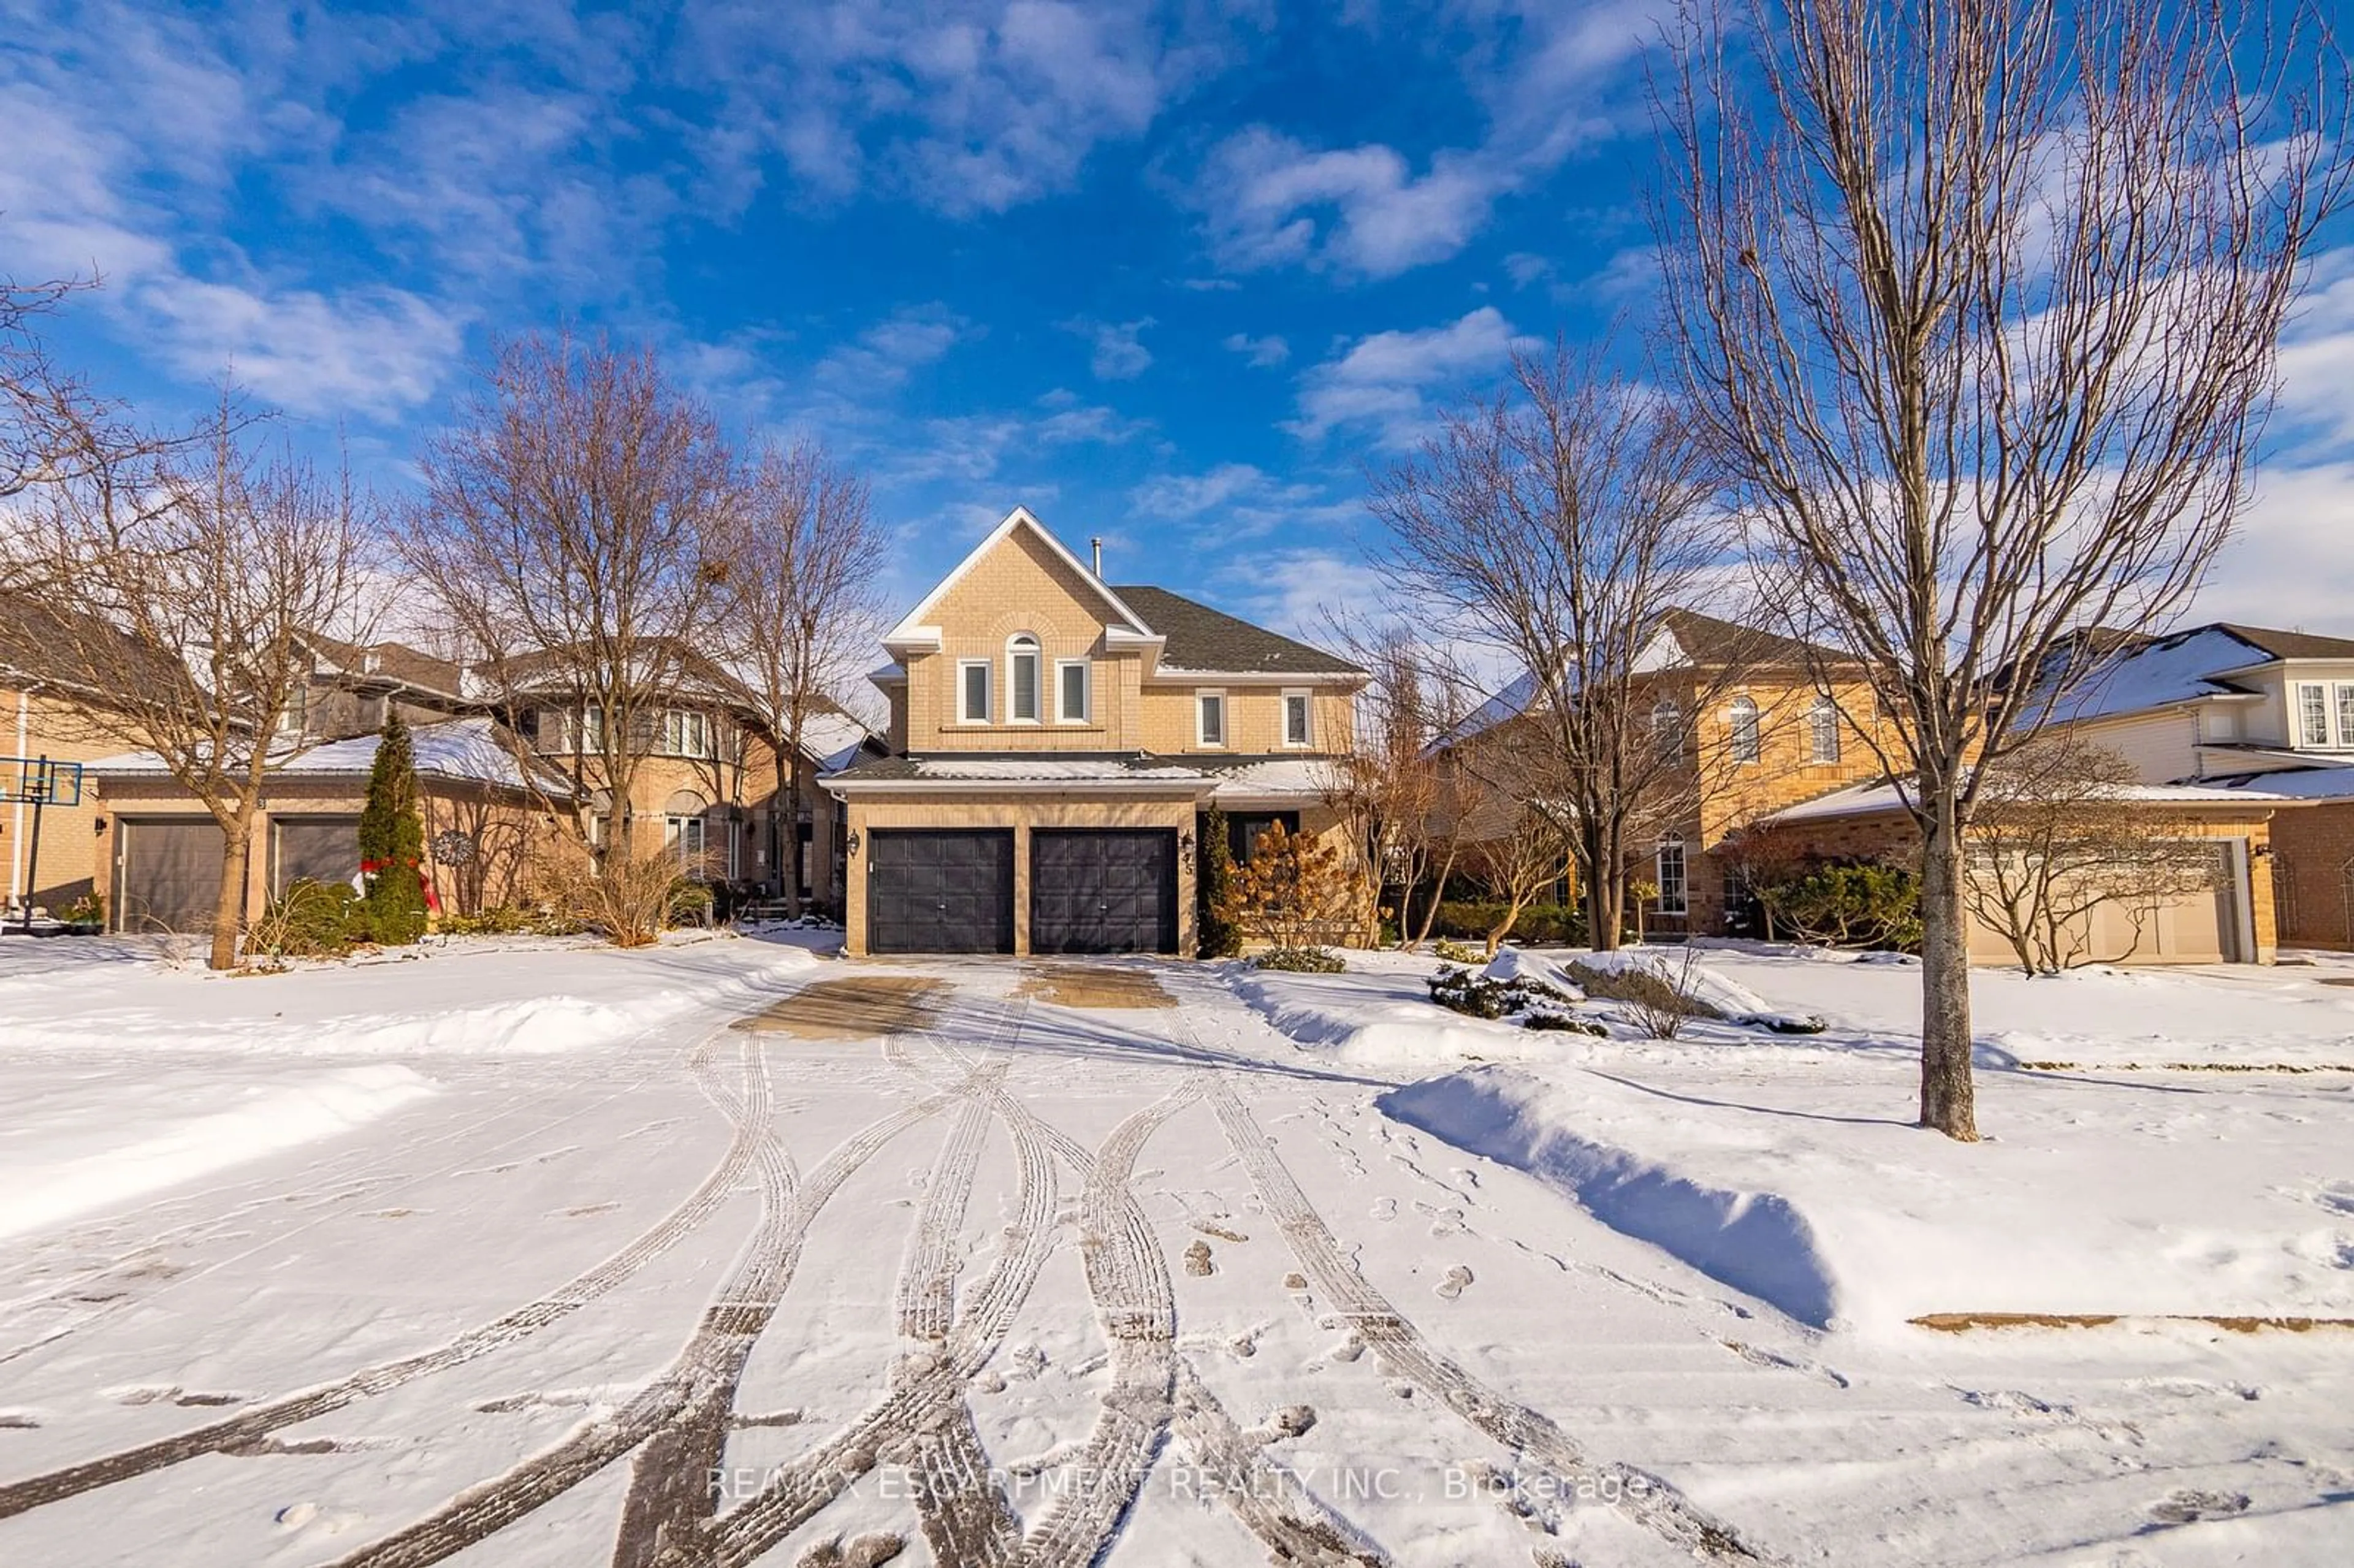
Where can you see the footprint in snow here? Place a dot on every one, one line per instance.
(1449, 1289)
(2338, 1197)
(1385, 1208)
(2185, 1505)
(1197, 1260)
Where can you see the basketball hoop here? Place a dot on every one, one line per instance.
(39, 782)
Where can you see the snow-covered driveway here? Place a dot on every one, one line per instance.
(1033, 1275)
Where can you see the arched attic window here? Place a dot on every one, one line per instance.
(1022, 678)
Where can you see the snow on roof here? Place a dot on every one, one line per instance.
(465, 749)
(2151, 675)
(829, 734)
(2298, 784)
(1877, 800)
(1309, 777)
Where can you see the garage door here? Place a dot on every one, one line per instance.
(314, 849)
(939, 892)
(1103, 891)
(2201, 924)
(167, 874)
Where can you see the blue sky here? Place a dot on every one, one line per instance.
(1172, 274)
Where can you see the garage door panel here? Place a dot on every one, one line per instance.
(940, 892)
(316, 849)
(167, 876)
(1103, 891)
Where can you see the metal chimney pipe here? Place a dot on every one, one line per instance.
(1097, 544)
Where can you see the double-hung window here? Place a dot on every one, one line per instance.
(1022, 679)
(1672, 898)
(1299, 719)
(972, 691)
(1823, 731)
(1071, 691)
(1745, 747)
(1210, 719)
(2318, 704)
(685, 732)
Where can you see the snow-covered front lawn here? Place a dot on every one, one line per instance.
(2122, 1172)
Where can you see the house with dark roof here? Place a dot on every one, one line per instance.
(1753, 720)
(1053, 741)
(2253, 708)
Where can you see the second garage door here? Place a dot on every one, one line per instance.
(167, 874)
(939, 892)
(314, 849)
(1103, 891)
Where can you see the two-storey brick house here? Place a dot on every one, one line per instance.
(1053, 741)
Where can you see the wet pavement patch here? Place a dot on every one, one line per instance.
(853, 1007)
(1093, 986)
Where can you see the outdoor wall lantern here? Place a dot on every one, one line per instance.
(853, 843)
(1186, 842)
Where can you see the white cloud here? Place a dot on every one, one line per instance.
(1260, 352)
(1239, 501)
(1385, 382)
(1118, 355)
(887, 353)
(1270, 200)
(2292, 563)
(1302, 592)
(971, 107)
(376, 351)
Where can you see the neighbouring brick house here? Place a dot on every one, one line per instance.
(2251, 708)
(1053, 741)
(1758, 721)
(704, 783)
(1776, 738)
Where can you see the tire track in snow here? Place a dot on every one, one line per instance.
(1403, 1353)
(1293, 1524)
(252, 1425)
(699, 1378)
(927, 1388)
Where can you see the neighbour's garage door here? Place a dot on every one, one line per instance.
(2198, 924)
(1103, 891)
(167, 874)
(940, 892)
(314, 849)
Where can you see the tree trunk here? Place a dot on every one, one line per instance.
(228, 914)
(1606, 889)
(782, 819)
(793, 839)
(1437, 896)
(1947, 1102)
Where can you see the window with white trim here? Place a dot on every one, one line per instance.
(1668, 866)
(1823, 730)
(295, 716)
(684, 838)
(1210, 719)
(972, 691)
(1667, 730)
(1299, 719)
(2324, 714)
(1022, 679)
(1071, 695)
(1746, 745)
(685, 732)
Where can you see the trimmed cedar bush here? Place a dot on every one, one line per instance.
(1300, 960)
(392, 840)
(1849, 903)
(1213, 879)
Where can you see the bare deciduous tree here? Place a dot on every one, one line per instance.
(1556, 524)
(1976, 302)
(1526, 853)
(800, 611)
(1401, 793)
(2058, 841)
(183, 590)
(573, 526)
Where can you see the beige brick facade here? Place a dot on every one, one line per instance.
(33, 724)
(1021, 590)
